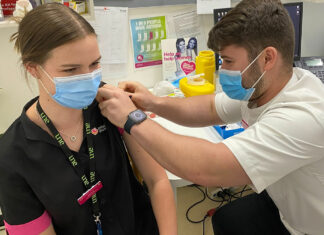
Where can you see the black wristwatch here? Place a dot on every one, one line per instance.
(134, 118)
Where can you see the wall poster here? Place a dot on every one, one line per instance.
(147, 34)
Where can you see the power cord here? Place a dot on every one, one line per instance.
(193, 205)
(245, 189)
(196, 203)
(226, 195)
(219, 194)
(209, 213)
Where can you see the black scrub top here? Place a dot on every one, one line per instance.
(35, 176)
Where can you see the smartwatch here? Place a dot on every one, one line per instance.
(134, 118)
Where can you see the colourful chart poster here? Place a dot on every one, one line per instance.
(147, 34)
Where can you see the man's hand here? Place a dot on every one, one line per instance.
(140, 95)
(115, 104)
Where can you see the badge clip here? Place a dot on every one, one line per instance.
(89, 193)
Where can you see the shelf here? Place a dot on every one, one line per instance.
(7, 23)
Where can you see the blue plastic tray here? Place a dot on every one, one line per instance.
(227, 133)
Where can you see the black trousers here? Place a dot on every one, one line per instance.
(254, 214)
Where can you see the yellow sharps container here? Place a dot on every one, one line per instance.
(200, 88)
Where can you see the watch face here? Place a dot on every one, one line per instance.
(137, 116)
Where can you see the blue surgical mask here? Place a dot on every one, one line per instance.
(76, 91)
(231, 82)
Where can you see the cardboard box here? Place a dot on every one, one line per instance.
(79, 7)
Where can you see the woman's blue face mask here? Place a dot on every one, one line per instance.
(76, 91)
(231, 82)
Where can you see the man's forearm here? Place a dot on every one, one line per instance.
(196, 160)
(192, 111)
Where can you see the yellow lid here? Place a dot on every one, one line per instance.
(193, 90)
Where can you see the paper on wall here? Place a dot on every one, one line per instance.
(111, 26)
(186, 24)
(208, 6)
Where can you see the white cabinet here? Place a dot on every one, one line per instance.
(89, 16)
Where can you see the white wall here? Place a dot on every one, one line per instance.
(15, 92)
(149, 76)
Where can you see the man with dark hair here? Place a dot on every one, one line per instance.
(255, 29)
(280, 153)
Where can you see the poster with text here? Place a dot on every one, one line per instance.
(179, 56)
(147, 34)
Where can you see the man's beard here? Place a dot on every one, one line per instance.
(252, 75)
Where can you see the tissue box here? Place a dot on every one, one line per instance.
(229, 130)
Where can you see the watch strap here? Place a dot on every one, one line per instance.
(128, 125)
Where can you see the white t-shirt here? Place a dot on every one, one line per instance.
(282, 149)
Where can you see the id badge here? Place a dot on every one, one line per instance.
(89, 193)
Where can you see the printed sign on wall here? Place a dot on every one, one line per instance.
(179, 56)
(147, 34)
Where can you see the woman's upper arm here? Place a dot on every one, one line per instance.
(49, 231)
(22, 212)
(41, 225)
(149, 168)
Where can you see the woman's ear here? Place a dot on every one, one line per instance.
(32, 69)
(270, 58)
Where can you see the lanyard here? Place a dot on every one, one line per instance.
(90, 186)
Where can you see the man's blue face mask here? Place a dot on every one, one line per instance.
(231, 82)
(76, 91)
